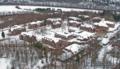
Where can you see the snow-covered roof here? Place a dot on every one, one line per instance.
(74, 48)
(115, 27)
(109, 22)
(36, 22)
(87, 25)
(97, 18)
(30, 33)
(54, 19)
(75, 29)
(52, 39)
(65, 34)
(16, 27)
(57, 22)
(85, 16)
(85, 35)
(74, 21)
(101, 23)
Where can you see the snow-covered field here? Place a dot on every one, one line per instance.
(8, 8)
(12, 8)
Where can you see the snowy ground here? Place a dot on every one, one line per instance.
(12, 8)
(107, 47)
(5, 63)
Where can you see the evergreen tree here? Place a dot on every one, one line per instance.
(38, 45)
(3, 34)
(77, 58)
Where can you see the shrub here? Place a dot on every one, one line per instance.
(38, 45)
(42, 9)
(116, 17)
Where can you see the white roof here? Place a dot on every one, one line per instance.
(36, 22)
(109, 22)
(65, 34)
(74, 48)
(87, 25)
(73, 21)
(75, 29)
(115, 27)
(85, 35)
(103, 23)
(52, 38)
(54, 19)
(17, 27)
(97, 18)
(85, 16)
(30, 33)
(57, 22)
